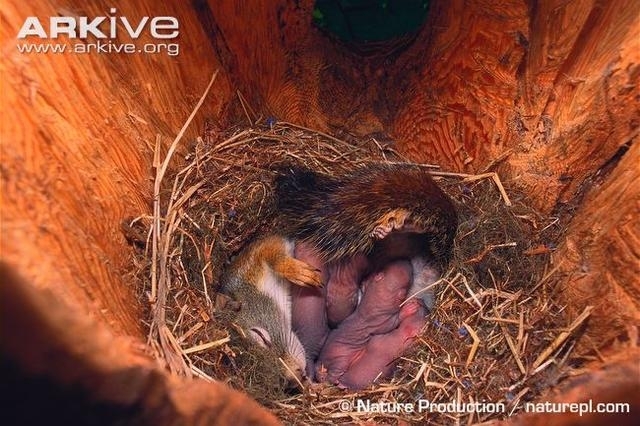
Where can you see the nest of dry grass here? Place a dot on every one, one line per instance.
(497, 335)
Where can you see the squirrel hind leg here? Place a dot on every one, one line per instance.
(274, 255)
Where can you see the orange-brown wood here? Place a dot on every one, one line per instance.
(77, 138)
(545, 92)
(460, 106)
(600, 256)
(580, 96)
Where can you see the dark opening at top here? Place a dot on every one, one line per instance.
(370, 20)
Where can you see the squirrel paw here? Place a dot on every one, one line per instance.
(391, 221)
(300, 273)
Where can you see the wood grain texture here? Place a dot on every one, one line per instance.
(268, 49)
(601, 256)
(551, 86)
(554, 86)
(458, 110)
(580, 97)
(76, 132)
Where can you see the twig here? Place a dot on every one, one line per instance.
(488, 249)
(513, 349)
(563, 336)
(245, 105)
(470, 178)
(326, 135)
(205, 346)
(476, 343)
(292, 373)
(156, 222)
(174, 144)
(497, 181)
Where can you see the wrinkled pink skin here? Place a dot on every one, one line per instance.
(377, 360)
(400, 245)
(313, 309)
(366, 343)
(308, 309)
(343, 287)
(369, 336)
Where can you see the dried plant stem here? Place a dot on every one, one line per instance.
(162, 238)
(470, 178)
(562, 337)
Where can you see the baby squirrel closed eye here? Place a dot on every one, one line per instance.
(260, 277)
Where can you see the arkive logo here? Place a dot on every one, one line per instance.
(101, 27)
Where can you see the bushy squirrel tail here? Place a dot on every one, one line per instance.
(297, 186)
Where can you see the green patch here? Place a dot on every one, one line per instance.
(370, 20)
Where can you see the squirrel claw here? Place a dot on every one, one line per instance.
(304, 275)
(393, 220)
